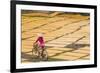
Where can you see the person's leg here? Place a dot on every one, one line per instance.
(38, 51)
(43, 51)
(44, 54)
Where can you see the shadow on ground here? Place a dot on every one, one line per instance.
(76, 46)
(30, 58)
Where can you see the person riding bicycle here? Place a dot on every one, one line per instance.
(40, 43)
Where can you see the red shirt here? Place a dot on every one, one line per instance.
(40, 42)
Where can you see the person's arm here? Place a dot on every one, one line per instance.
(36, 41)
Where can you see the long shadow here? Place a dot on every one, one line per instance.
(76, 46)
(73, 45)
(29, 58)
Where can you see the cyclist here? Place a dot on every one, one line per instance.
(40, 43)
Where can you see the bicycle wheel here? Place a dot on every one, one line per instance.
(35, 50)
(45, 55)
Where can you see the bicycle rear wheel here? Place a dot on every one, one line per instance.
(45, 55)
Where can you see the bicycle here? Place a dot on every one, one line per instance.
(40, 53)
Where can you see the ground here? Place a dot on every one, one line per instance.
(66, 35)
